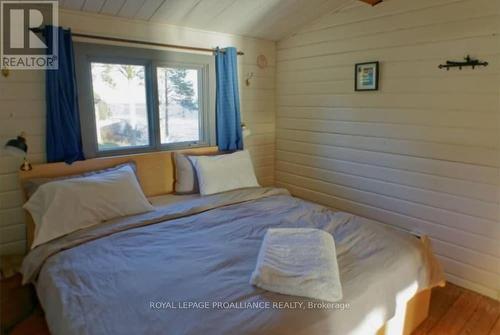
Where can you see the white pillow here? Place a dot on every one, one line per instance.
(61, 207)
(224, 172)
(185, 175)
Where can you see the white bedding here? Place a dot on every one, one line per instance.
(223, 173)
(300, 262)
(203, 250)
(63, 206)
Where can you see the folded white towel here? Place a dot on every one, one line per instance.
(298, 261)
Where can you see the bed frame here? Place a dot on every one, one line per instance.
(409, 316)
(156, 174)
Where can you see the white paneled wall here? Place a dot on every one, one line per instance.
(22, 108)
(420, 154)
(22, 104)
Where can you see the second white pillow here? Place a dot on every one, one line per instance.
(224, 172)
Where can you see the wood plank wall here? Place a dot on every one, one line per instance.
(22, 104)
(422, 153)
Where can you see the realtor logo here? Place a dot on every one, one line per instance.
(22, 48)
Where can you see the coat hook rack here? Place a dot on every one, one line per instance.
(468, 62)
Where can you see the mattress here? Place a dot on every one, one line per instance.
(185, 268)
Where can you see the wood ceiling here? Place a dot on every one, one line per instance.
(268, 19)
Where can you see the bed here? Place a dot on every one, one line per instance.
(184, 268)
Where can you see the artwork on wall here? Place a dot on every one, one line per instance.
(366, 76)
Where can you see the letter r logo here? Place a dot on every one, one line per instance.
(35, 21)
(18, 29)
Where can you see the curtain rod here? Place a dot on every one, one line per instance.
(124, 40)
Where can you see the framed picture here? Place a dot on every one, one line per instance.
(366, 76)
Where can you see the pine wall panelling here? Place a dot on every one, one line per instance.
(423, 152)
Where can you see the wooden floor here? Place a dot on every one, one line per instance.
(455, 310)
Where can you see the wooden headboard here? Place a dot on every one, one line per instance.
(155, 172)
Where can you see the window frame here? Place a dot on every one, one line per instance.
(151, 59)
(202, 117)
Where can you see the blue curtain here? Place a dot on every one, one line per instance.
(229, 135)
(63, 134)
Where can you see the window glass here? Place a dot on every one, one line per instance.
(178, 105)
(120, 105)
(135, 100)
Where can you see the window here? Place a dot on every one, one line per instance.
(120, 106)
(139, 100)
(178, 103)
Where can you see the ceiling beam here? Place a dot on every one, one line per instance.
(372, 2)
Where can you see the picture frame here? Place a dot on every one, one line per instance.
(366, 76)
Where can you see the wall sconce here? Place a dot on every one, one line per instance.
(245, 131)
(249, 76)
(17, 147)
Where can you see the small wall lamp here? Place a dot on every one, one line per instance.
(248, 77)
(245, 130)
(17, 147)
